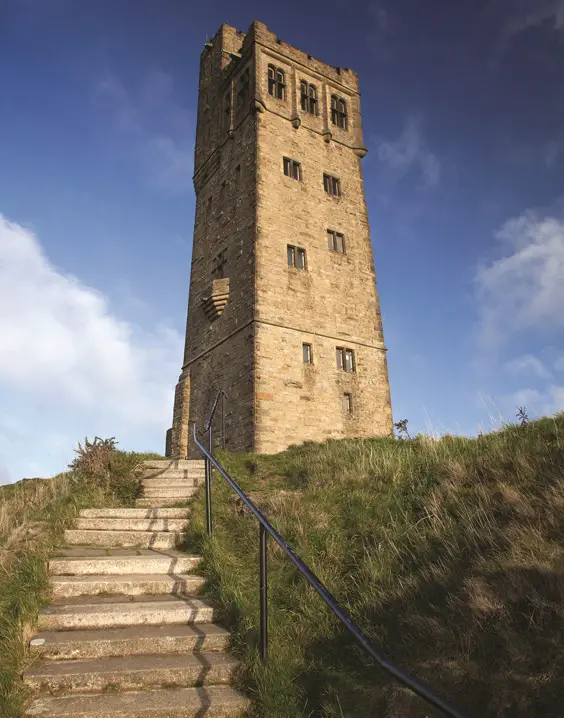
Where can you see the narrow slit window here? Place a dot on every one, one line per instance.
(307, 354)
(347, 403)
(332, 185)
(243, 94)
(227, 113)
(336, 241)
(292, 169)
(219, 262)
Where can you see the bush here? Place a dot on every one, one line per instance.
(99, 464)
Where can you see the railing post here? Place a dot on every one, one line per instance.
(208, 486)
(263, 597)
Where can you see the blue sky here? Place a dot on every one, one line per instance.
(463, 106)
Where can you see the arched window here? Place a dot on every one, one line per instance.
(308, 97)
(304, 95)
(338, 112)
(313, 99)
(276, 82)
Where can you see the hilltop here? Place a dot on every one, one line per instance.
(447, 553)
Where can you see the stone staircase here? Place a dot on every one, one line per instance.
(126, 635)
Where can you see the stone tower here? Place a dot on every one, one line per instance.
(283, 312)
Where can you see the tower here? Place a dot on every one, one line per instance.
(283, 311)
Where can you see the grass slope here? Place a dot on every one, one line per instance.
(33, 516)
(449, 554)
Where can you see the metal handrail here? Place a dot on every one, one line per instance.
(267, 528)
(223, 396)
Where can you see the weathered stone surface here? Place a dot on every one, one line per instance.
(124, 524)
(119, 513)
(132, 641)
(132, 585)
(129, 672)
(85, 561)
(211, 701)
(246, 206)
(98, 612)
(142, 539)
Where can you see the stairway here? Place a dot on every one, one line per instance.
(126, 635)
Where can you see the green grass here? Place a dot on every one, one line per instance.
(449, 554)
(33, 516)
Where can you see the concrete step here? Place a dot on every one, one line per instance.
(181, 492)
(104, 612)
(169, 483)
(173, 474)
(211, 701)
(133, 513)
(132, 641)
(87, 561)
(142, 539)
(174, 464)
(156, 502)
(115, 524)
(133, 585)
(129, 673)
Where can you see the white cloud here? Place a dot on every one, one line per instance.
(528, 364)
(537, 403)
(62, 344)
(158, 128)
(409, 153)
(524, 289)
(559, 363)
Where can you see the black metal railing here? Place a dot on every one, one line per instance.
(221, 395)
(265, 529)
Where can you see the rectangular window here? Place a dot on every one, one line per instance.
(336, 241)
(345, 359)
(332, 185)
(292, 169)
(296, 257)
(219, 262)
(307, 355)
(347, 403)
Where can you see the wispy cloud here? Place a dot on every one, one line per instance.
(409, 155)
(528, 365)
(62, 346)
(158, 130)
(523, 289)
(517, 17)
(523, 15)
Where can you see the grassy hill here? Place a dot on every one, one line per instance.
(449, 554)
